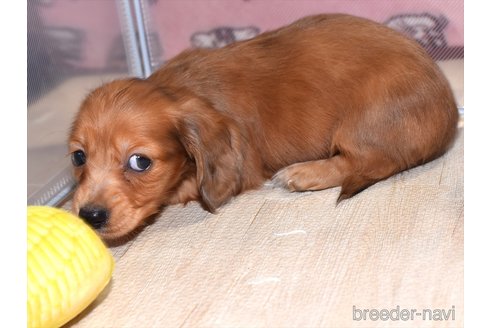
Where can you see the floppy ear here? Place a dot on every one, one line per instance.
(214, 142)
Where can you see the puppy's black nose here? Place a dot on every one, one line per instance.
(96, 216)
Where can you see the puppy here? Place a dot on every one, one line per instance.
(330, 100)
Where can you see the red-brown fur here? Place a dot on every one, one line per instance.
(330, 100)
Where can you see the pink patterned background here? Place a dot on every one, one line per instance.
(174, 22)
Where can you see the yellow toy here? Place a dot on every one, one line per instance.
(67, 266)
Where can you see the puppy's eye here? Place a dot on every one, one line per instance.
(78, 158)
(139, 163)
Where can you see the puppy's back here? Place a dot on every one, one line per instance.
(325, 85)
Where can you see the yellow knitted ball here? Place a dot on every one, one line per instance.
(68, 266)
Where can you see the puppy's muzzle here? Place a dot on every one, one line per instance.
(95, 215)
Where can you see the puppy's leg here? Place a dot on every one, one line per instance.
(314, 175)
(352, 175)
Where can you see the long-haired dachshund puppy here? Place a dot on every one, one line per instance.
(330, 100)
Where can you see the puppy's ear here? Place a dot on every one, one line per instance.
(214, 142)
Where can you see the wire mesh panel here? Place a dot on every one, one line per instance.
(72, 47)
